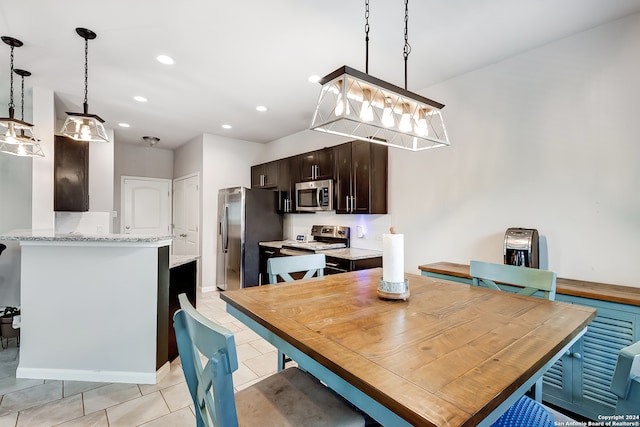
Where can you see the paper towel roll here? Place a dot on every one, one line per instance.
(393, 257)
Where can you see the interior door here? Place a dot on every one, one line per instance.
(186, 215)
(146, 206)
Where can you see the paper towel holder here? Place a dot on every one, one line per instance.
(393, 290)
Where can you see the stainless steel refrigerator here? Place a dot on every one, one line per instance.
(245, 217)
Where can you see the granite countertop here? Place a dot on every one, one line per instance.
(51, 236)
(345, 253)
(178, 260)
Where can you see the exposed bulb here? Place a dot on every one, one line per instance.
(21, 150)
(405, 120)
(422, 127)
(10, 135)
(366, 112)
(341, 104)
(387, 113)
(85, 132)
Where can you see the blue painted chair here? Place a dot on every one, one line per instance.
(311, 265)
(288, 398)
(530, 280)
(626, 380)
(283, 267)
(525, 412)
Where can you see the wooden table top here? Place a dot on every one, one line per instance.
(446, 357)
(579, 288)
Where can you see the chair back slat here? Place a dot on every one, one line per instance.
(210, 386)
(531, 280)
(312, 265)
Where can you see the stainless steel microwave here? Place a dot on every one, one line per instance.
(314, 196)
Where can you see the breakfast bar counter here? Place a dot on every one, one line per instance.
(91, 306)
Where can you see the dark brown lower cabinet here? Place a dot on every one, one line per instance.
(182, 279)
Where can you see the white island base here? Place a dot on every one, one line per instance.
(90, 308)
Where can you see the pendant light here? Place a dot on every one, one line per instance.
(357, 105)
(85, 126)
(26, 144)
(16, 136)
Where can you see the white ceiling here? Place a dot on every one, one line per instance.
(232, 56)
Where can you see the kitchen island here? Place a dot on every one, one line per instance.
(93, 307)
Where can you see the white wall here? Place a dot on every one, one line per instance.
(545, 140)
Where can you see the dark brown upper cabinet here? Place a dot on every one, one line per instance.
(316, 165)
(71, 175)
(264, 175)
(360, 178)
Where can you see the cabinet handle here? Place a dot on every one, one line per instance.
(317, 171)
(313, 172)
(269, 252)
(576, 356)
(353, 203)
(346, 203)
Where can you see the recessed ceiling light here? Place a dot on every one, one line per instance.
(226, 126)
(261, 108)
(140, 98)
(167, 60)
(124, 125)
(314, 79)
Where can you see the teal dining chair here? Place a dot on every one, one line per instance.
(288, 398)
(529, 280)
(626, 380)
(311, 265)
(283, 267)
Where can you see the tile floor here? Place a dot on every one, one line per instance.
(42, 403)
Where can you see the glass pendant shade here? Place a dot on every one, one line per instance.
(84, 127)
(18, 139)
(356, 105)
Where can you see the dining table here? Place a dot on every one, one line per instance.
(449, 355)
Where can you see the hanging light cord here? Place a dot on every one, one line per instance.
(407, 47)
(366, 32)
(86, 74)
(11, 104)
(22, 102)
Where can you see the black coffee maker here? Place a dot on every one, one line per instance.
(521, 247)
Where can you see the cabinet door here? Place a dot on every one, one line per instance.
(316, 165)
(284, 187)
(71, 175)
(361, 180)
(257, 172)
(264, 175)
(342, 175)
(324, 163)
(370, 177)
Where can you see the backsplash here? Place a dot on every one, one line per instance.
(371, 227)
(83, 222)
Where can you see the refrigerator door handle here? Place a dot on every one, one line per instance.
(225, 229)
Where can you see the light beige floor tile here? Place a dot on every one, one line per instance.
(265, 364)
(30, 397)
(245, 336)
(175, 376)
(182, 418)
(9, 354)
(137, 411)
(246, 351)
(109, 395)
(243, 375)
(262, 346)
(177, 396)
(97, 419)
(9, 420)
(11, 384)
(52, 413)
(70, 388)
